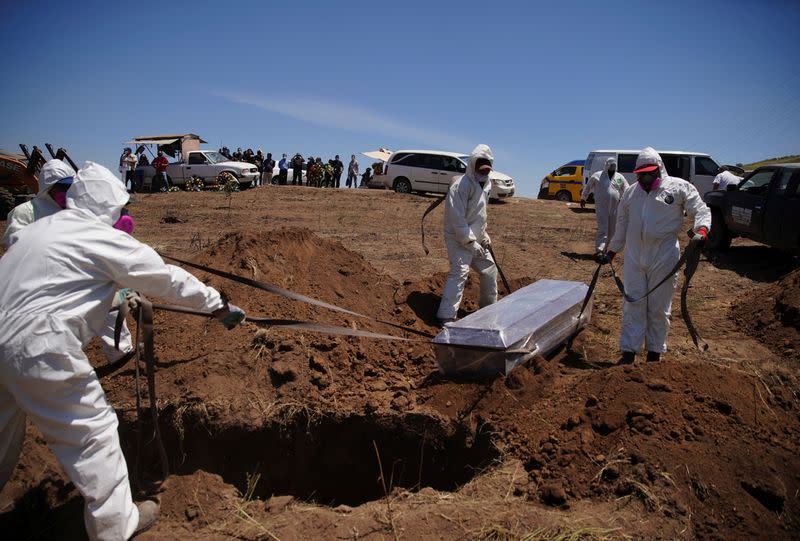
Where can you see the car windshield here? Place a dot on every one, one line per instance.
(216, 157)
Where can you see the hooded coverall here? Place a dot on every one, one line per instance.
(43, 205)
(59, 280)
(40, 206)
(607, 193)
(647, 229)
(465, 224)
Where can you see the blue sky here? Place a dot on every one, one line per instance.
(542, 83)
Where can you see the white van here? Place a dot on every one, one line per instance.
(433, 171)
(696, 167)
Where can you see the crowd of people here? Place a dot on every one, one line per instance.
(310, 171)
(318, 172)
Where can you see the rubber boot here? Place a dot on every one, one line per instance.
(148, 515)
(627, 357)
(653, 357)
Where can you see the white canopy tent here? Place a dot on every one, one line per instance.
(382, 154)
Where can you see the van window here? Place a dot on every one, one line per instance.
(399, 158)
(626, 163)
(677, 165)
(565, 171)
(588, 164)
(449, 163)
(705, 166)
(412, 160)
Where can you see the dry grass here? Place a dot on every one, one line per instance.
(617, 457)
(499, 532)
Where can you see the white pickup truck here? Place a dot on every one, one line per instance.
(206, 164)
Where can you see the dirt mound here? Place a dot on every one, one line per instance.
(772, 314)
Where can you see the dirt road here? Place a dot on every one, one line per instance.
(276, 434)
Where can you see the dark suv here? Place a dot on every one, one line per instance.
(764, 206)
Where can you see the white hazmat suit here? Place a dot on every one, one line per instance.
(607, 193)
(42, 206)
(648, 225)
(59, 280)
(464, 233)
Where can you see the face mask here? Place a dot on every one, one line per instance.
(60, 198)
(648, 182)
(612, 171)
(125, 223)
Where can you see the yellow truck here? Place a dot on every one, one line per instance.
(565, 183)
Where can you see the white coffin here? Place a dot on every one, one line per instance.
(534, 320)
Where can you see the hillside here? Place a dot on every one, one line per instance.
(772, 161)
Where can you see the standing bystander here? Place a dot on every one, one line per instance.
(160, 181)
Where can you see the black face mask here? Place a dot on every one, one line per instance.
(480, 162)
(612, 171)
(647, 179)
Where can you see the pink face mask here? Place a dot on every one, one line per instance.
(125, 223)
(60, 198)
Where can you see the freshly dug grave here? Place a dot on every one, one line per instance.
(772, 313)
(273, 433)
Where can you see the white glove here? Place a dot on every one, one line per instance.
(486, 241)
(477, 250)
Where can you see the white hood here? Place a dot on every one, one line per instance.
(98, 192)
(52, 172)
(649, 156)
(480, 151)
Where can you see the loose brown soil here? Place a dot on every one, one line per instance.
(278, 434)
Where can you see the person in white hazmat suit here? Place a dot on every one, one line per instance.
(608, 187)
(465, 235)
(649, 219)
(59, 281)
(55, 178)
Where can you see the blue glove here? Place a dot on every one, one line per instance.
(230, 316)
(121, 294)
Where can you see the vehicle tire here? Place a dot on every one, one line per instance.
(6, 203)
(564, 196)
(402, 185)
(719, 238)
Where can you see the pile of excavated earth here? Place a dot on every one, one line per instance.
(273, 433)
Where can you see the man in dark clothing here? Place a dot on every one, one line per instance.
(366, 177)
(269, 166)
(258, 160)
(237, 156)
(338, 169)
(297, 168)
